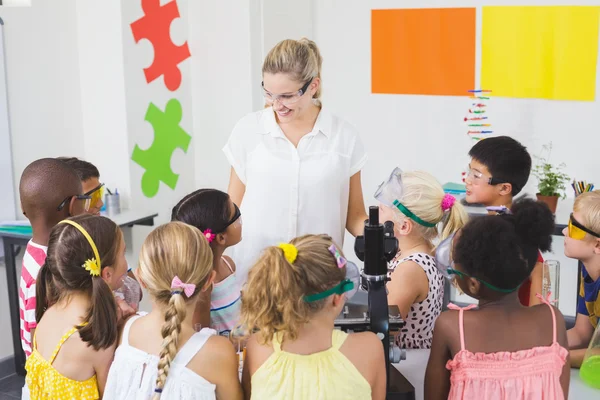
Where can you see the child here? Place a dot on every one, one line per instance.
(503, 350)
(75, 340)
(90, 180)
(129, 289)
(498, 171)
(293, 295)
(50, 191)
(416, 203)
(159, 353)
(213, 212)
(582, 242)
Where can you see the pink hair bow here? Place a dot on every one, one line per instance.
(188, 288)
(341, 261)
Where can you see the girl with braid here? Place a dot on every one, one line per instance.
(160, 356)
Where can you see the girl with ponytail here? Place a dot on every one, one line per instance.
(503, 350)
(160, 356)
(422, 214)
(294, 293)
(76, 334)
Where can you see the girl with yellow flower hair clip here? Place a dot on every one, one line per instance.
(76, 335)
(294, 293)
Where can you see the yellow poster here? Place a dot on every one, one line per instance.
(547, 52)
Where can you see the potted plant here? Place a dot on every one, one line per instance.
(552, 182)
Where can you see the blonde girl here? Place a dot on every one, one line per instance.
(419, 208)
(293, 295)
(160, 356)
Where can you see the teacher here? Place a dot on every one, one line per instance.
(295, 168)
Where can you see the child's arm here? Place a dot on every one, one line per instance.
(437, 377)
(537, 277)
(576, 357)
(580, 335)
(102, 361)
(561, 337)
(409, 283)
(246, 378)
(226, 376)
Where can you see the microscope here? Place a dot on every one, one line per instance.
(376, 248)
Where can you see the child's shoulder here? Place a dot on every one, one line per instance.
(229, 261)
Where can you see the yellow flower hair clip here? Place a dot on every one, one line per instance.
(93, 266)
(290, 252)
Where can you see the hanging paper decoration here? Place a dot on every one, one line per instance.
(478, 126)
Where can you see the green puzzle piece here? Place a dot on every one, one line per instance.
(168, 136)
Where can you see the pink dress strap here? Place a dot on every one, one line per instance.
(548, 303)
(461, 326)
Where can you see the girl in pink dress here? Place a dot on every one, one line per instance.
(501, 350)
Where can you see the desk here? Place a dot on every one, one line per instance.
(413, 368)
(12, 244)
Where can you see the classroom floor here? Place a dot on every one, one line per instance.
(10, 387)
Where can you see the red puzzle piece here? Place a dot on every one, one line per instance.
(155, 26)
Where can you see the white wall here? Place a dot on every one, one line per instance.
(102, 91)
(43, 82)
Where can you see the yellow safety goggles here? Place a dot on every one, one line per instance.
(96, 194)
(578, 231)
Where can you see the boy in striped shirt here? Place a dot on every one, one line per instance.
(50, 191)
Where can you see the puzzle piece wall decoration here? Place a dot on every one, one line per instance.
(155, 26)
(168, 136)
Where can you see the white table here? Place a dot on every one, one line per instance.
(413, 368)
(13, 241)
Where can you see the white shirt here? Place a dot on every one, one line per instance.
(133, 373)
(291, 191)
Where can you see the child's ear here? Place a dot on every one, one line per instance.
(209, 281)
(107, 273)
(406, 226)
(505, 189)
(221, 238)
(474, 285)
(597, 246)
(337, 299)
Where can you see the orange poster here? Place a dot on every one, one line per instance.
(423, 51)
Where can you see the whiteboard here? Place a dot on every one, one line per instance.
(7, 186)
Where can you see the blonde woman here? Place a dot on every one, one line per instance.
(293, 295)
(418, 206)
(295, 167)
(159, 355)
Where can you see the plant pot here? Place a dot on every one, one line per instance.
(551, 201)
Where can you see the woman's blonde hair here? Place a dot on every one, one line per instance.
(588, 205)
(300, 59)
(423, 196)
(273, 298)
(173, 249)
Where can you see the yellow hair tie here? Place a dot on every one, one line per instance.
(93, 266)
(290, 251)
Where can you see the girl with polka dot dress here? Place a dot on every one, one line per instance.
(417, 205)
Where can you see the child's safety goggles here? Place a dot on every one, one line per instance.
(96, 194)
(577, 231)
(349, 286)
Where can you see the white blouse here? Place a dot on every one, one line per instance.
(291, 191)
(133, 372)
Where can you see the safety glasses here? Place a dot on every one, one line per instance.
(349, 285)
(82, 197)
(285, 99)
(96, 194)
(577, 231)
